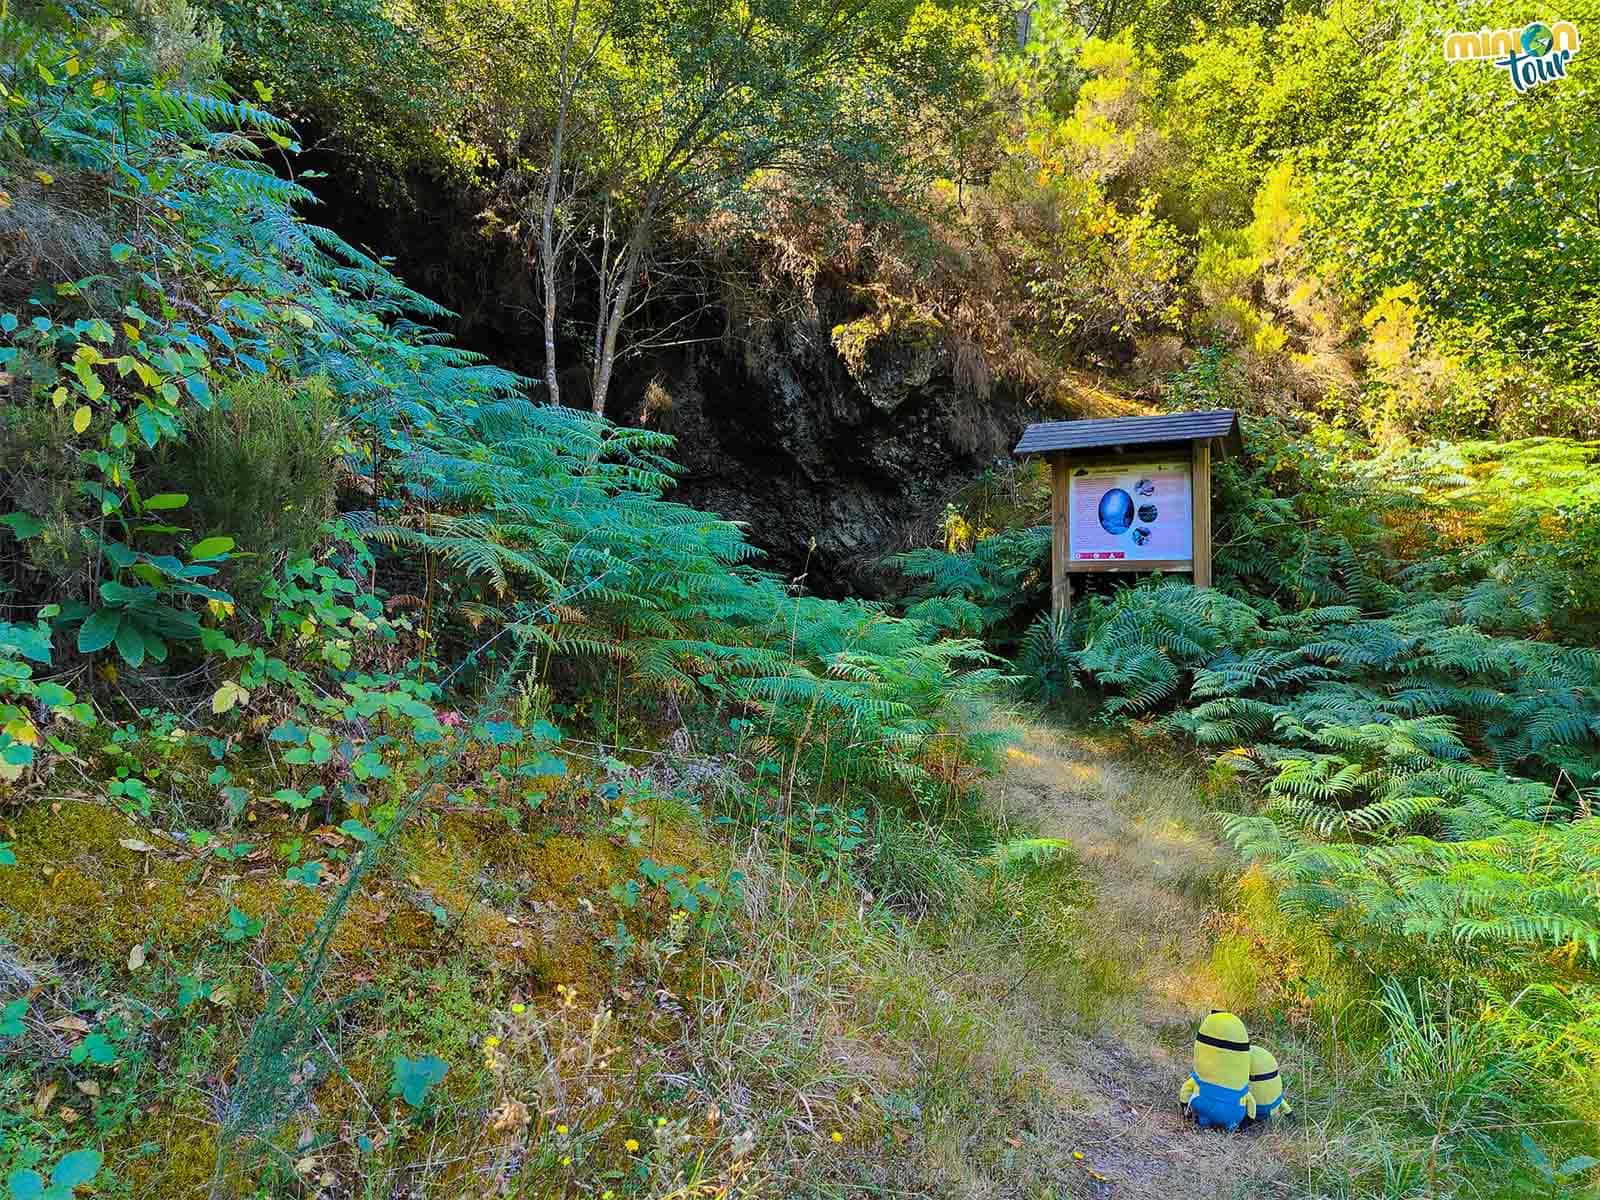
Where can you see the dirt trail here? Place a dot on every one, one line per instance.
(1153, 862)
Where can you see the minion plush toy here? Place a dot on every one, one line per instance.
(1266, 1085)
(1217, 1091)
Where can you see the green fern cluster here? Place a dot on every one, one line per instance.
(1407, 762)
(1486, 902)
(1000, 578)
(554, 521)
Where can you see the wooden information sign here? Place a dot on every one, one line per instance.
(1130, 493)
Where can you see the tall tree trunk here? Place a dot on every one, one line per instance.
(617, 310)
(547, 267)
(607, 285)
(549, 263)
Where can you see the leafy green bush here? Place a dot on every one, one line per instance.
(261, 459)
(195, 433)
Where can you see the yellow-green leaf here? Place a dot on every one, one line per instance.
(227, 696)
(21, 729)
(80, 419)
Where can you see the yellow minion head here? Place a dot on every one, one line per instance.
(1222, 1051)
(1266, 1085)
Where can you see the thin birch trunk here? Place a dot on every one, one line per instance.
(627, 271)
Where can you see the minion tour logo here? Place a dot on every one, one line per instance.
(1535, 54)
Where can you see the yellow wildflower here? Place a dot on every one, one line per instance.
(632, 1145)
(837, 1136)
(562, 1130)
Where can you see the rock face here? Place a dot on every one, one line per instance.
(836, 435)
(830, 469)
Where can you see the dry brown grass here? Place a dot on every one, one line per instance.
(955, 1065)
(1123, 1032)
(51, 227)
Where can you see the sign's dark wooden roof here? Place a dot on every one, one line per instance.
(1109, 433)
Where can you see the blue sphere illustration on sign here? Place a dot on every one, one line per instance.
(1116, 511)
(1537, 39)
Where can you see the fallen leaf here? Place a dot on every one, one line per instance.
(1014, 1143)
(71, 1025)
(135, 845)
(43, 1098)
(88, 1087)
(69, 1116)
(136, 956)
(510, 1117)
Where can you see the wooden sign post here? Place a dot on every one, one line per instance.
(1202, 514)
(1130, 494)
(1061, 536)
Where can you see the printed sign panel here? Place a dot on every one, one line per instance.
(1135, 512)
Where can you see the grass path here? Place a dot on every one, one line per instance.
(1155, 867)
